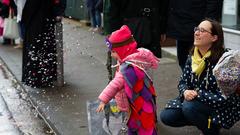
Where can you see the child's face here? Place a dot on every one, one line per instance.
(115, 55)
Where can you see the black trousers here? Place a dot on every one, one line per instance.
(183, 48)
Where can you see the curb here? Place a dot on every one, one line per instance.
(33, 103)
(168, 55)
(9, 114)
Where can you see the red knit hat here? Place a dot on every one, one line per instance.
(122, 42)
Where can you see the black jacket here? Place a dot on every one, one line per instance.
(121, 9)
(59, 8)
(145, 18)
(184, 15)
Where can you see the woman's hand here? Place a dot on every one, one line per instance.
(100, 107)
(189, 94)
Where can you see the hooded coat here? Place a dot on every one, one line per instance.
(133, 90)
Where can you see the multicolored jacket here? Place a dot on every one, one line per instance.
(115, 88)
(134, 91)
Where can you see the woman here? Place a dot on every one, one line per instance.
(200, 102)
(39, 49)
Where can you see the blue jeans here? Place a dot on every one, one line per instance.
(95, 17)
(183, 48)
(192, 113)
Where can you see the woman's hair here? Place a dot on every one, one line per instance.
(217, 48)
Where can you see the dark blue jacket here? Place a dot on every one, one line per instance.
(91, 4)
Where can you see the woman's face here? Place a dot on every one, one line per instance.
(203, 37)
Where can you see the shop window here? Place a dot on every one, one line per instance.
(231, 14)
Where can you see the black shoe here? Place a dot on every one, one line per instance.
(6, 41)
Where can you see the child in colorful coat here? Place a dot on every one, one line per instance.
(132, 87)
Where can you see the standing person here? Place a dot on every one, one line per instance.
(132, 87)
(20, 5)
(106, 11)
(95, 15)
(200, 102)
(39, 47)
(6, 5)
(145, 18)
(183, 16)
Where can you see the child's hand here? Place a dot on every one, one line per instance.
(100, 107)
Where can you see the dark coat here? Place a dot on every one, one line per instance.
(146, 25)
(39, 49)
(226, 111)
(184, 15)
(91, 4)
(59, 7)
(35, 13)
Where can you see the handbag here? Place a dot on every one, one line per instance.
(10, 30)
(115, 121)
(227, 72)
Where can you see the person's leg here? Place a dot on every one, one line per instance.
(155, 48)
(183, 48)
(6, 41)
(173, 117)
(98, 18)
(198, 114)
(92, 18)
(94, 21)
(155, 45)
(21, 33)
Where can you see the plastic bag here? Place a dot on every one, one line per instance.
(227, 72)
(10, 30)
(115, 121)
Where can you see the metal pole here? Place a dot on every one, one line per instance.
(59, 44)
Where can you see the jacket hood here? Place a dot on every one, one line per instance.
(143, 58)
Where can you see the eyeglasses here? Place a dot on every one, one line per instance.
(202, 30)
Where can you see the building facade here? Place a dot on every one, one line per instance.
(231, 23)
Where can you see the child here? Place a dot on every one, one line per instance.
(132, 87)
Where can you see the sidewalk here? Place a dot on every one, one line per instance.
(85, 74)
(7, 123)
(7, 126)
